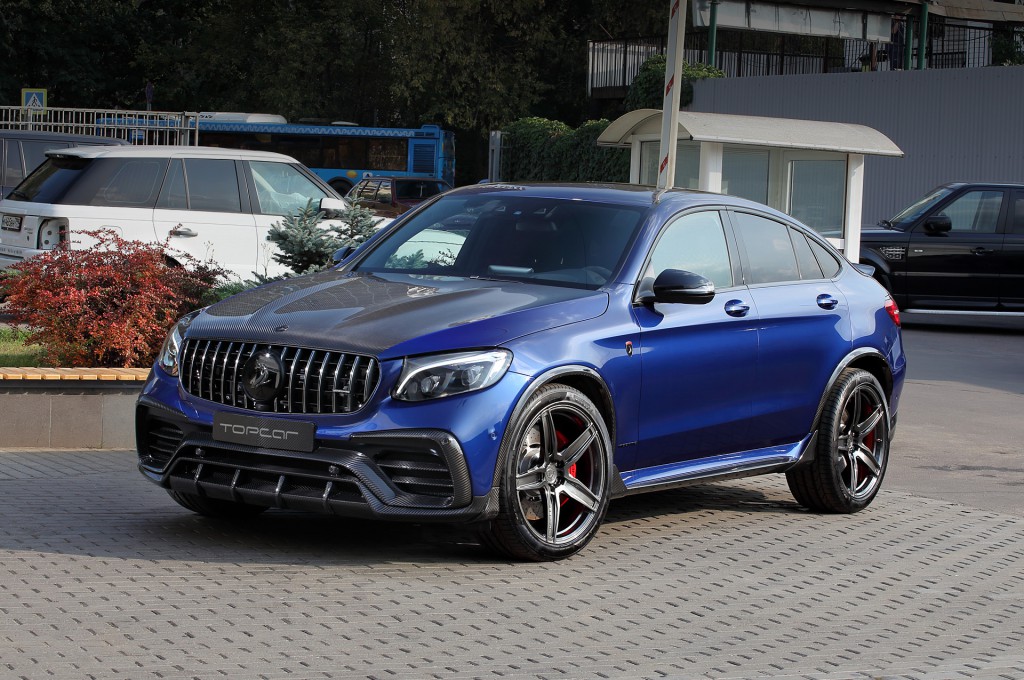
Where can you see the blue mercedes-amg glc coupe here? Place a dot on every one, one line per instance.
(517, 356)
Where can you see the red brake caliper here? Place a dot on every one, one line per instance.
(571, 471)
(869, 441)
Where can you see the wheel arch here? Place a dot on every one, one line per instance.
(583, 378)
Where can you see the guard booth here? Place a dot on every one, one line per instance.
(812, 170)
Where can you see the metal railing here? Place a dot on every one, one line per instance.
(135, 127)
(615, 63)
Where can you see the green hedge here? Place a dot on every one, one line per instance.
(542, 150)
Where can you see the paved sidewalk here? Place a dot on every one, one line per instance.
(103, 576)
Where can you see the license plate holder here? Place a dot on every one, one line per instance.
(11, 223)
(269, 433)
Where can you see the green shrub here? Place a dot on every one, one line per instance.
(306, 247)
(647, 91)
(537, 149)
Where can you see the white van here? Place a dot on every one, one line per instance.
(214, 204)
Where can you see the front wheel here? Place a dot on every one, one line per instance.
(853, 448)
(555, 478)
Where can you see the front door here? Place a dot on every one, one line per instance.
(1011, 268)
(699, 360)
(958, 269)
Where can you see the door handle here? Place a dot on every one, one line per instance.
(981, 251)
(826, 301)
(736, 308)
(182, 231)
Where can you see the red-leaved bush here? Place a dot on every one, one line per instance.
(109, 305)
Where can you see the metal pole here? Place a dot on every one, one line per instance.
(908, 43)
(713, 33)
(922, 37)
(670, 107)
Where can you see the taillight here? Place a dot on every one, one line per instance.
(893, 310)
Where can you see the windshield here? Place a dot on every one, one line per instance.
(552, 241)
(909, 215)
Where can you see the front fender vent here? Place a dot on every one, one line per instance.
(893, 252)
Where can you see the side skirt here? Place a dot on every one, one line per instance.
(728, 466)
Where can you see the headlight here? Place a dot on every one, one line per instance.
(443, 375)
(168, 357)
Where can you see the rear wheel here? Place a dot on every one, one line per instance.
(212, 507)
(554, 486)
(341, 186)
(852, 451)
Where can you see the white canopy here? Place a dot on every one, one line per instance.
(754, 130)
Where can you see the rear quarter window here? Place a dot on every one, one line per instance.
(51, 181)
(119, 183)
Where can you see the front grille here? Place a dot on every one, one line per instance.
(312, 381)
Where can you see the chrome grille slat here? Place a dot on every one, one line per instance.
(312, 378)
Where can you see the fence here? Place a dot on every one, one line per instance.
(615, 63)
(136, 127)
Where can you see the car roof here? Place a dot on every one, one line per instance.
(168, 151)
(60, 137)
(403, 178)
(1000, 185)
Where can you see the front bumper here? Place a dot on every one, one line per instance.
(419, 475)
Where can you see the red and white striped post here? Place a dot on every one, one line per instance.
(670, 106)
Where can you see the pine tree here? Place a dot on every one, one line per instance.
(306, 247)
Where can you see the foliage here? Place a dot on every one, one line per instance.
(305, 246)
(648, 88)
(1008, 48)
(107, 305)
(15, 350)
(536, 149)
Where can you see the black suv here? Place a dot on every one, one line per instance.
(958, 249)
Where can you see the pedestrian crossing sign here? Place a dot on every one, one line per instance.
(33, 98)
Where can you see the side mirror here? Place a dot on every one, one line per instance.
(328, 204)
(675, 285)
(938, 224)
(342, 254)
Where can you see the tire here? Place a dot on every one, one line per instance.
(341, 186)
(554, 487)
(212, 507)
(852, 451)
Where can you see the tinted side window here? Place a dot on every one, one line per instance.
(975, 211)
(119, 183)
(212, 185)
(770, 255)
(695, 243)
(173, 195)
(809, 267)
(826, 259)
(1017, 226)
(12, 166)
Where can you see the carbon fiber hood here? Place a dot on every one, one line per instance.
(394, 315)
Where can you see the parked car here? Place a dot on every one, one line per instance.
(958, 249)
(392, 196)
(562, 346)
(21, 152)
(213, 204)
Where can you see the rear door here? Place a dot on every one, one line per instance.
(803, 325)
(958, 269)
(204, 211)
(1011, 267)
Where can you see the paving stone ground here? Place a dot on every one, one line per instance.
(102, 576)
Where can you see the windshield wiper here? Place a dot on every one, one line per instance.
(885, 223)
